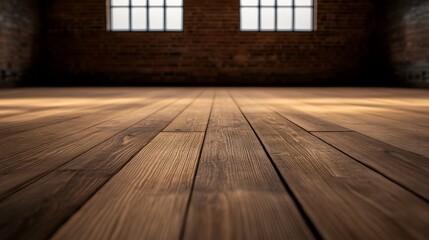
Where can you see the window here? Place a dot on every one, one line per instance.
(277, 15)
(146, 15)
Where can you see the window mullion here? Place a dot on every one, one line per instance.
(130, 12)
(147, 15)
(293, 15)
(259, 15)
(111, 16)
(165, 15)
(275, 15)
(312, 16)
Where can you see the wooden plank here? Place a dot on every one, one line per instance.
(419, 107)
(152, 188)
(237, 193)
(390, 105)
(24, 141)
(411, 137)
(304, 120)
(343, 198)
(19, 169)
(225, 115)
(43, 206)
(406, 168)
(381, 113)
(39, 107)
(194, 118)
(30, 106)
(409, 100)
(369, 115)
(41, 118)
(39, 92)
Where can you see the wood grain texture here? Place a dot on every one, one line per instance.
(194, 118)
(408, 169)
(43, 206)
(237, 193)
(22, 142)
(381, 128)
(134, 163)
(35, 106)
(306, 121)
(300, 118)
(13, 142)
(343, 198)
(153, 188)
(42, 111)
(346, 107)
(21, 168)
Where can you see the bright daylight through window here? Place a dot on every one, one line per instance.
(146, 15)
(277, 15)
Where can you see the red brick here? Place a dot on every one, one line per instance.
(407, 40)
(19, 40)
(211, 49)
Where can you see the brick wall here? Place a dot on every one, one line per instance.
(407, 39)
(211, 50)
(19, 33)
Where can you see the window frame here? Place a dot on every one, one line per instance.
(130, 8)
(293, 8)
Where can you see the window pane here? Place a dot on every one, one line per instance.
(177, 3)
(138, 2)
(153, 3)
(284, 19)
(120, 19)
(304, 3)
(267, 19)
(249, 2)
(284, 2)
(249, 18)
(120, 2)
(174, 19)
(156, 18)
(139, 19)
(303, 19)
(268, 2)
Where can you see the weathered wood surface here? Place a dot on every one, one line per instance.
(322, 177)
(237, 193)
(75, 182)
(214, 163)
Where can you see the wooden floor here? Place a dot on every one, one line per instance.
(214, 163)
